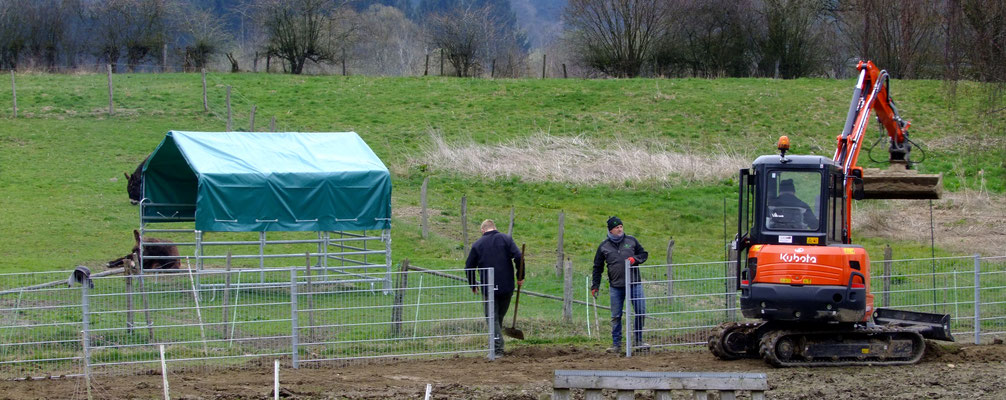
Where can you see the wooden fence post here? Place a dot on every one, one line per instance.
(887, 275)
(272, 124)
(424, 223)
(509, 228)
(396, 310)
(492, 70)
(206, 104)
(567, 292)
(426, 69)
(441, 62)
(251, 120)
(560, 251)
(343, 61)
(111, 110)
(543, 58)
(670, 271)
(229, 108)
(564, 76)
(464, 223)
(164, 58)
(13, 89)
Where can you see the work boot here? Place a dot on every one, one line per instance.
(615, 348)
(642, 347)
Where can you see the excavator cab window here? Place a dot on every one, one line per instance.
(793, 200)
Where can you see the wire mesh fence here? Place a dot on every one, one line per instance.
(685, 309)
(55, 326)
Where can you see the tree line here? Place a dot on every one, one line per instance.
(789, 38)
(954, 39)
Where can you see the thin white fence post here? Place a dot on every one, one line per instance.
(164, 375)
(978, 302)
(275, 379)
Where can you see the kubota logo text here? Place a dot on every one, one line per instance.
(796, 258)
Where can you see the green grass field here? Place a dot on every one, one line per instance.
(61, 161)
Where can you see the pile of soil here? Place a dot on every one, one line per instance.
(951, 372)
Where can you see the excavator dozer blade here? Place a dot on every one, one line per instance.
(929, 325)
(901, 183)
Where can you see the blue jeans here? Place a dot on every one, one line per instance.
(638, 305)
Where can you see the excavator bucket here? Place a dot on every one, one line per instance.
(898, 182)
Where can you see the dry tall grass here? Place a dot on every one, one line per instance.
(576, 159)
(968, 221)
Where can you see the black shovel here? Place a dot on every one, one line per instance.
(512, 331)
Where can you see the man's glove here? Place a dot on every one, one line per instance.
(632, 260)
(593, 292)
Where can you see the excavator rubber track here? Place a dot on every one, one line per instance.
(874, 346)
(735, 340)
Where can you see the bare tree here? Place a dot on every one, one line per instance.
(900, 36)
(712, 38)
(13, 32)
(616, 36)
(299, 31)
(389, 43)
(203, 35)
(465, 34)
(791, 44)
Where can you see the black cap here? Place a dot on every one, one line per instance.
(787, 186)
(613, 222)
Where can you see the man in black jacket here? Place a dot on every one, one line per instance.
(497, 251)
(614, 251)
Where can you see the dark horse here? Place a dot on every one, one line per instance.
(149, 250)
(133, 183)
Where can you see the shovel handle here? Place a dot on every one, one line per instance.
(516, 304)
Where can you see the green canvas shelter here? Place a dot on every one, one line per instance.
(266, 181)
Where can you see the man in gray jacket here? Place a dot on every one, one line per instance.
(614, 251)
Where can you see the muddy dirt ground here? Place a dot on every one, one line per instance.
(955, 372)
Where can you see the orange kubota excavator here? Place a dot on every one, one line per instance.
(799, 272)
